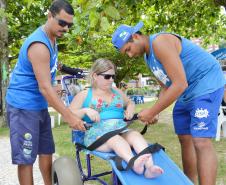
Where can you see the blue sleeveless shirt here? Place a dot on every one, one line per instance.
(23, 91)
(203, 71)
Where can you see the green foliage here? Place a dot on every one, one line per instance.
(24, 16)
(4, 132)
(112, 12)
(222, 44)
(145, 91)
(95, 21)
(220, 2)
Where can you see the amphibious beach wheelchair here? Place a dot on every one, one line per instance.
(67, 171)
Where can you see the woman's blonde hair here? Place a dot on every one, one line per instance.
(100, 65)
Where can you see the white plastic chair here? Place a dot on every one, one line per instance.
(221, 123)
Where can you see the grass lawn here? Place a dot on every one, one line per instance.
(162, 133)
(4, 131)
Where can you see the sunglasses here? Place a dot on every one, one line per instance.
(108, 76)
(63, 23)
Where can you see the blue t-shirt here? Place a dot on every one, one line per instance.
(23, 91)
(203, 71)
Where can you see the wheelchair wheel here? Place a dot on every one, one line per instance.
(65, 172)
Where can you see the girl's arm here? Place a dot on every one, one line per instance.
(128, 104)
(76, 104)
(77, 109)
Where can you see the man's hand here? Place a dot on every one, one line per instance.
(74, 122)
(147, 117)
(153, 121)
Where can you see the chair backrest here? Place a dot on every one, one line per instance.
(78, 136)
(222, 113)
(71, 87)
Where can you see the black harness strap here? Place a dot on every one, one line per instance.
(144, 130)
(118, 160)
(101, 140)
(135, 117)
(150, 149)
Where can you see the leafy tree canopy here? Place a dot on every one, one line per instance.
(95, 21)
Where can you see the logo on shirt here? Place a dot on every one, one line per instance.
(54, 68)
(160, 75)
(201, 113)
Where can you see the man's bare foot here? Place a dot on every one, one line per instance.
(138, 166)
(153, 171)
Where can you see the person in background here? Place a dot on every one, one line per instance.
(193, 78)
(29, 92)
(105, 107)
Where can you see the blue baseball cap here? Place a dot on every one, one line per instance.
(123, 33)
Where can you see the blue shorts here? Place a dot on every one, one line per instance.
(199, 116)
(30, 134)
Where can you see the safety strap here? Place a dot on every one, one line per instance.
(101, 140)
(144, 130)
(150, 149)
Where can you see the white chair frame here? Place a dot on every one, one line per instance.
(221, 123)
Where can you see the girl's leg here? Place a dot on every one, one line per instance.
(121, 147)
(137, 141)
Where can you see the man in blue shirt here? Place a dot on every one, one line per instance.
(191, 77)
(29, 92)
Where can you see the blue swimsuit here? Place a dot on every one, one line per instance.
(111, 115)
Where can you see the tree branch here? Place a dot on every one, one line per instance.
(220, 3)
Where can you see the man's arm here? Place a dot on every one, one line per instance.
(167, 49)
(39, 57)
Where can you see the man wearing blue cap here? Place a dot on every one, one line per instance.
(189, 75)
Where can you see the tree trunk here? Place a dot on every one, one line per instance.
(3, 63)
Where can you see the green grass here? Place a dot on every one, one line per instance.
(4, 131)
(162, 133)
